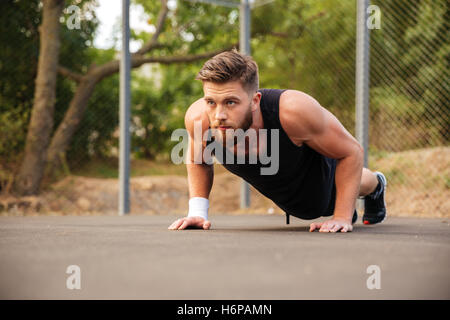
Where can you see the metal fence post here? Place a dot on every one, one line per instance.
(362, 82)
(124, 114)
(244, 44)
(362, 78)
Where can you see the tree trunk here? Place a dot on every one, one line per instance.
(41, 122)
(63, 135)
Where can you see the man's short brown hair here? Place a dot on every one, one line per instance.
(231, 66)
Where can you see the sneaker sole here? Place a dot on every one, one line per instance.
(383, 179)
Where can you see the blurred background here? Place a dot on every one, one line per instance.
(62, 131)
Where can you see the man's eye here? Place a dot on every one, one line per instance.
(230, 103)
(210, 102)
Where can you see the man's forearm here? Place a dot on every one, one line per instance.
(348, 180)
(200, 179)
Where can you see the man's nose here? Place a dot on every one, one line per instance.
(221, 114)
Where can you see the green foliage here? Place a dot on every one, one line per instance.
(19, 21)
(410, 58)
(193, 27)
(159, 105)
(94, 135)
(18, 64)
(12, 127)
(158, 109)
(309, 47)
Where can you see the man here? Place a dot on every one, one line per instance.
(320, 164)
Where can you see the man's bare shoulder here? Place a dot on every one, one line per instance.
(196, 112)
(300, 115)
(196, 109)
(295, 101)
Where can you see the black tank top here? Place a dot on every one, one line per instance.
(304, 183)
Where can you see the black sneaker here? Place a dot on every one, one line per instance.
(374, 204)
(355, 216)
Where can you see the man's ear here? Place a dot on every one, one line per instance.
(255, 100)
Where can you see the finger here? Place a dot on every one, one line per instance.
(313, 226)
(326, 227)
(170, 227)
(184, 225)
(336, 228)
(175, 224)
(349, 228)
(206, 225)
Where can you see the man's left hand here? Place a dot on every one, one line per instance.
(332, 225)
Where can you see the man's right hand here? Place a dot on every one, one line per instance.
(193, 222)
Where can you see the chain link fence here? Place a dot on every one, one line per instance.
(409, 90)
(81, 169)
(83, 121)
(409, 104)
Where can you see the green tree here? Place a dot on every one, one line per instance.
(159, 109)
(410, 76)
(309, 46)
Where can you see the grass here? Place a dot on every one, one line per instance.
(138, 167)
(395, 175)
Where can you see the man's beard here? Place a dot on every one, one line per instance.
(228, 139)
(248, 119)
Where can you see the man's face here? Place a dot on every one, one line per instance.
(229, 106)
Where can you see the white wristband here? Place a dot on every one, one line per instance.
(198, 207)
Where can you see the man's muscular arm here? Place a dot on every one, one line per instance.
(200, 175)
(305, 121)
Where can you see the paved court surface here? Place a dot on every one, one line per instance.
(242, 257)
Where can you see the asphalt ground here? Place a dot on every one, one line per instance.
(241, 257)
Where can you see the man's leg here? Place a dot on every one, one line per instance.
(369, 182)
